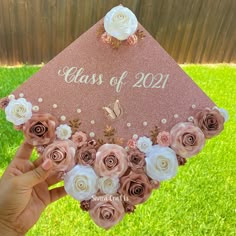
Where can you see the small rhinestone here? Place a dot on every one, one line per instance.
(128, 124)
(92, 122)
(92, 134)
(54, 105)
(11, 96)
(163, 121)
(145, 123)
(35, 108)
(176, 116)
(193, 106)
(63, 118)
(78, 110)
(40, 100)
(135, 136)
(21, 95)
(127, 148)
(190, 118)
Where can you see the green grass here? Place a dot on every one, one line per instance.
(201, 200)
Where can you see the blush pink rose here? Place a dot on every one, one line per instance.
(164, 139)
(136, 187)
(40, 129)
(132, 143)
(79, 138)
(132, 39)
(111, 159)
(106, 38)
(62, 154)
(210, 121)
(187, 139)
(107, 213)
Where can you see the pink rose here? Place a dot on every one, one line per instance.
(210, 121)
(136, 159)
(163, 139)
(136, 187)
(86, 155)
(62, 154)
(132, 143)
(108, 212)
(4, 102)
(187, 139)
(79, 138)
(40, 129)
(132, 39)
(111, 159)
(106, 38)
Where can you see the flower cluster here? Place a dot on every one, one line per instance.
(120, 25)
(108, 179)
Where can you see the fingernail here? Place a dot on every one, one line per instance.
(47, 164)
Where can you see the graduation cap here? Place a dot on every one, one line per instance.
(119, 110)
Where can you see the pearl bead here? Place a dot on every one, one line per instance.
(35, 108)
(63, 118)
(163, 121)
(92, 134)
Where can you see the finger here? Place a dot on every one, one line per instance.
(24, 152)
(37, 175)
(57, 193)
(53, 178)
(38, 162)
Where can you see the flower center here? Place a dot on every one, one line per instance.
(189, 139)
(38, 129)
(57, 156)
(86, 156)
(135, 159)
(80, 183)
(136, 189)
(110, 161)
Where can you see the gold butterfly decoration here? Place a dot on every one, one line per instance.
(113, 111)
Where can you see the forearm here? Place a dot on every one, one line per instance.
(7, 231)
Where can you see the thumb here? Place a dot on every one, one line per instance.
(37, 175)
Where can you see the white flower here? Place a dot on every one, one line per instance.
(63, 132)
(81, 182)
(161, 163)
(108, 185)
(144, 144)
(223, 112)
(120, 22)
(18, 111)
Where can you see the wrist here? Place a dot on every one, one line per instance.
(7, 231)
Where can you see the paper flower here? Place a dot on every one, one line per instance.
(18, 111)
(79, 138)
(132, 40)
(210, 121)
(40, 129)
(164, 139)
(4, 103)
(224, 113)
(108, 184)
(135, 187)
(143, 144)
(107, 213)
(63, 132)
(136, 159)
(132, 143)
(81, 182)
(106, 38)
(120, 22)
(111, 159)
(62, 154)
(161, 163)
(86, 155)
(187, 139)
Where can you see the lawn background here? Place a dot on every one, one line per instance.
(200, 200)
